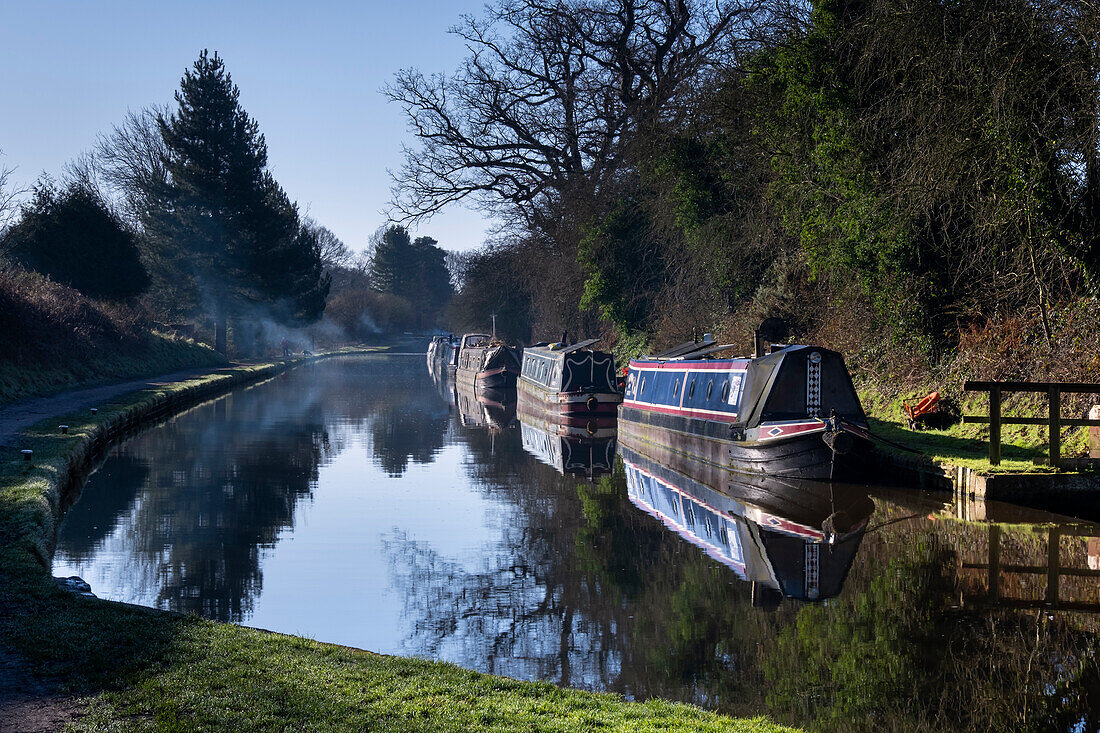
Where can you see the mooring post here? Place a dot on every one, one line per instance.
(995, 426)
(1055, 402)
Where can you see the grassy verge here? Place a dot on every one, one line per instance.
(142, 669)
(157, 355)
(1024, 448)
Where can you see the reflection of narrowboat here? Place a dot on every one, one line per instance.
(443, 352)
(486, 363)
(490, 409)
(791, 413)
(554, 445)
(444, 381)
(789, 537)
(570, 384)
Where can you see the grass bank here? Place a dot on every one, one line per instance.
(155, 354)
(142, 669)
(53, 338)
(1024, 448)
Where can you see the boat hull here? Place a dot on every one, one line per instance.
(593, 410)
(804, 454)
(497, 378)
(488, 367)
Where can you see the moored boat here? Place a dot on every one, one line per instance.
(793, 412)
(443, 352)
(569, 384)
(486, 363)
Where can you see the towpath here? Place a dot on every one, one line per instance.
(29, 704)
(19, 416)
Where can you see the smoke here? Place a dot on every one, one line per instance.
(368, 324)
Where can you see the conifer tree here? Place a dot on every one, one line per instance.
(233, 230)
(216, 164)
(72, 235)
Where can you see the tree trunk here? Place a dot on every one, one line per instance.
(221, 328)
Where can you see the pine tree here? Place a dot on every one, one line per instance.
(216, 166)
(393, 264)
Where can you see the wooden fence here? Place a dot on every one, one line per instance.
(1054, 420)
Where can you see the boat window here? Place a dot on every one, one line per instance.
(725, 390)
(710, 388)
(642, 388)
(676, 389)
(691, 389)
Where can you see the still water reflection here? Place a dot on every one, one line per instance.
(354, 501)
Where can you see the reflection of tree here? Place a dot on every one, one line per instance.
(224, 482)
(197, 499)
(117, 483)
(584, 590)
(410, 424)
(902, 655)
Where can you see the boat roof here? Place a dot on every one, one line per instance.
(557, 348)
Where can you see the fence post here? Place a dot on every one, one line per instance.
(995, 426)
(1055, 403)
(1094, 433)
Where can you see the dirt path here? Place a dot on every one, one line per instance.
(21, 415)
(28, 705)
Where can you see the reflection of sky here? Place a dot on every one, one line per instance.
(330, 576)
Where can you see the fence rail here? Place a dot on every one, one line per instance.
(1054, 420)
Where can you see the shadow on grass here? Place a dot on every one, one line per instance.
(961, 450)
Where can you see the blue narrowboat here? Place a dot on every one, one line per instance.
(793, 412)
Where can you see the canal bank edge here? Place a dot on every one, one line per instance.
(1044, 490)
(183, 672)
(58, 460)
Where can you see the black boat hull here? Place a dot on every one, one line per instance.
(801, 456)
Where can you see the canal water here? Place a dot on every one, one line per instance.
(357, 501)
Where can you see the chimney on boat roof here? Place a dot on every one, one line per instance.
(771, 330)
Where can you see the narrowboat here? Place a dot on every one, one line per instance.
(792, 413)
(569, 453)
(569, 384)
(443, 352)
(486, 363)
(789, 537)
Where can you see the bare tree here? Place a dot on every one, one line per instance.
(545, 105)
(132, 160)
(9, 196)
(334, 253)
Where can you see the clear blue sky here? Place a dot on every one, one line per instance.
(309, 72)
